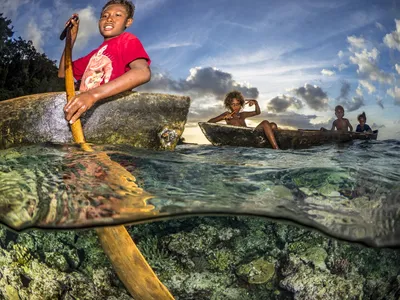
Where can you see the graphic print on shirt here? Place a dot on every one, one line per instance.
(98, 69)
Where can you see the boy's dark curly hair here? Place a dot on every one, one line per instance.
(339, 107)
(230, 96)
(129, 6)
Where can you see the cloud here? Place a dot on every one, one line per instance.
(356, 42)
(9, 7)
(281, 103)
(344, 91)
(368, 86)
(390, 92)
(379, 101)
(395, 93)
(355, 103)
(341, 67)
(397, 68)
(88, 26)
(42, 23)
(359, 90)
(241, 57)
(201, 81)
(380, 26)
(368, 68)
(392, 40)
(35, 30)
(376, 126)
(313, 95)
(326, 72)
(166, 45)
(33, 33)
(235, 24)
(144, 7)
(204, 109)
(340, 54)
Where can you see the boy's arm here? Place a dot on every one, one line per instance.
(257, 111)
(138, 74)
(351, 127)
(61, 66)
(218, 118)
(333, 125)
(74, 34)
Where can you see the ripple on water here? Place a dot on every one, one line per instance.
(350, 192)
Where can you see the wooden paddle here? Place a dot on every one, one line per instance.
(129, 264)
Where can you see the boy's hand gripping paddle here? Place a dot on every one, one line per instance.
(68, 27)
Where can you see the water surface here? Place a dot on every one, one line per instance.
(349, 191)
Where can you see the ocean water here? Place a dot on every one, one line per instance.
(349, 191)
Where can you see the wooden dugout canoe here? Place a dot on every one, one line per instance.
(143, 120)
(228, 135)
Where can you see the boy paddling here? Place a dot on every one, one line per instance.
(119, 64)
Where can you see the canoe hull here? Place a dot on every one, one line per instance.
(144, 120)
(228, 135)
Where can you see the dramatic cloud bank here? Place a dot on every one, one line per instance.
(201, 82)
(282, 103)
(313, 95)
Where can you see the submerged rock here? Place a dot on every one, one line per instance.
(308, 283)
(316, 256)
(144, 120)
(257, 272)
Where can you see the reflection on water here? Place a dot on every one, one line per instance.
(349, 191)
(61, 186)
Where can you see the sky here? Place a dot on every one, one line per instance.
(298, 59)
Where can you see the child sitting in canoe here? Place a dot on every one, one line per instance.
(362, 127)
(234, 102)
(119, 64)
(341, 124)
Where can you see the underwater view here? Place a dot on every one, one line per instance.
(231, 222)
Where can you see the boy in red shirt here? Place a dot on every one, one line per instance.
(119, 64)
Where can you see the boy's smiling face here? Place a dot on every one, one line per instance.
(113, 21)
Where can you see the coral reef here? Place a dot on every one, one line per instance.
(38, 265)
(201, 258)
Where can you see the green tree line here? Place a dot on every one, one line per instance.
(23, 70)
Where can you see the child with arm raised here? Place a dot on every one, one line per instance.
(234, 102)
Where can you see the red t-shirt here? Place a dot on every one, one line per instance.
(109, 61)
